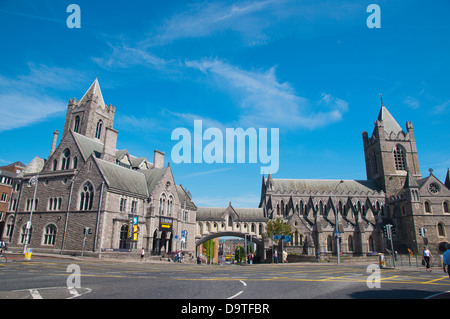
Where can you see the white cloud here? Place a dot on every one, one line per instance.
(205, 19)
(18, 109)
(25, 99)
(265, 101)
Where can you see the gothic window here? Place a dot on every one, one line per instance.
(86, 196)
(374, 163)
(399, 158)
(76, 125)
(75, 162)
(350, 243)
(23, 234)
(371, 244)
(230, 221)
(66, 159)
(123, 237)
(441, 230)
(434, 188)
(169, 206)
(98, 131)
(162, 203)
(123, 205)
(427, 207)
(329, 243)
(55, 164)
(50, 235)
(446, 207)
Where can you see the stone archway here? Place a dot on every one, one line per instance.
(259, 252)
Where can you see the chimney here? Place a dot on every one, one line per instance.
(55, 137)
(109, 148)
(158, 161)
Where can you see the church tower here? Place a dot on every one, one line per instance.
(390, 153)
(90, 116)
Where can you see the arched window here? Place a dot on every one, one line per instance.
(427, 207)
(86, 196)
(98, 130)
(329, 243)
(123, 239)
(162, 203)
(50, 235)
(55, 164)
(446, 207)
(399, 158)
(230, 221)
(76, 125)
(371, 244)
(75, 162)
(350, 243)
(441, 229)
(23, 234)
(65, 162)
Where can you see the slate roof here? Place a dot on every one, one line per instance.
(123, 179)
(93, 90)
(389, 123)
(244, 214)
(326, 186)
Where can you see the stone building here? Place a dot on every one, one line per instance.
(87, 189)
(394, 193)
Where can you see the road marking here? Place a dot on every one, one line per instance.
(245, 285)
(437, 279)
(73, 292)
(235, 295)
(35, 294)
(438, 294)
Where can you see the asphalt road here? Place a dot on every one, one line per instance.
(47, 278)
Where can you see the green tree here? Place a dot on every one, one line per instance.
(239, 254)
(209, 247)
(278, 227)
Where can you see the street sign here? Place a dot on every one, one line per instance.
(165, 223)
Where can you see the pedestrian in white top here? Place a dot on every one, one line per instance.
(426, 256)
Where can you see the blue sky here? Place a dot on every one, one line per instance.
(313, 69)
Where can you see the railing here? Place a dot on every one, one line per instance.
(414, 261)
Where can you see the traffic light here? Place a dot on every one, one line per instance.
(393, 230)
(340, 240)
(385, 231)
(423, 231)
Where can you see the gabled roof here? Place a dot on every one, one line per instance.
(239, 214)
(122, 179)
(87, 145)
(319, 185)
(153, 176)
(184, 197)
(389, 123)
(95, 91)
(35, 166)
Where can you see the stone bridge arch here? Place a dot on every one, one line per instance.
(259, 252)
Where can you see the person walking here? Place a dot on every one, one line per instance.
(426, 256)
(275, 256)
(142, 253)
(446, 260)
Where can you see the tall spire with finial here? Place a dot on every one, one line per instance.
(381, 97)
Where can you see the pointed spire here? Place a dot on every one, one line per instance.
(447, 179)
(389, 123)
(94, 91)
(410, 181)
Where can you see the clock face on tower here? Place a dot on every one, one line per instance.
(434, 188)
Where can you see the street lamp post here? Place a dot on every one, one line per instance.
(32, 181)
(336, 229)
